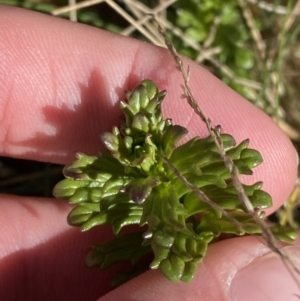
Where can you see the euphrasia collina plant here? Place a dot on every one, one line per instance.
(131, 184)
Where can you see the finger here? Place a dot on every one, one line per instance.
(50, 96)
(60, 84)
(61, 89)
(239, 269)
(42, 258)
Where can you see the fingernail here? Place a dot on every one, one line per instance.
(267, 279)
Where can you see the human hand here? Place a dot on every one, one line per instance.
(60, 85)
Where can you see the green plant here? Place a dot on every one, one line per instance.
(132, 184)
(198, 21)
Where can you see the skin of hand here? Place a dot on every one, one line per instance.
(60, 84)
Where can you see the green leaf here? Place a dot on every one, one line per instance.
(179, 248)
(126, 221)
(235, 153)
(119, 249)
(171, 137)
(172, 268)
(284, 233)
(163, 240)
(189, 271)
(140, 123)
(82, 213)
(160, 254)
(65, 188)
(119, 214)
(110, 141)
(210, 222)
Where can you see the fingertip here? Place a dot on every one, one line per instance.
(267, 278)
(223, 275)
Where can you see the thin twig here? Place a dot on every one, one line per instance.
(278, 9)
(208, 54)
(267, 235)
(127, 17)
(143, 19)
(68, 8)
(255, 33)
(73, 13)
(118, 9)
(292, 16)
(201, 195)
(204, 54)
(213, 31)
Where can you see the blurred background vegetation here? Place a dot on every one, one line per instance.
(251, 45)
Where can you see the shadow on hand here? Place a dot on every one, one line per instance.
(76, 128)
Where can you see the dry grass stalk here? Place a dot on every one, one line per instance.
(215, 131)
(204, 198)
(73, 13)
(69, 8)
(292, 16)
(144, 18)
(142, 24)
(255, 33)
(270, 7)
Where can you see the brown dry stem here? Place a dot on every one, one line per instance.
(214, 131)
(201, 194)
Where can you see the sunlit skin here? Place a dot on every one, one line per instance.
(60, 83)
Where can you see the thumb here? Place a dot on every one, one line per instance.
(238, 269)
